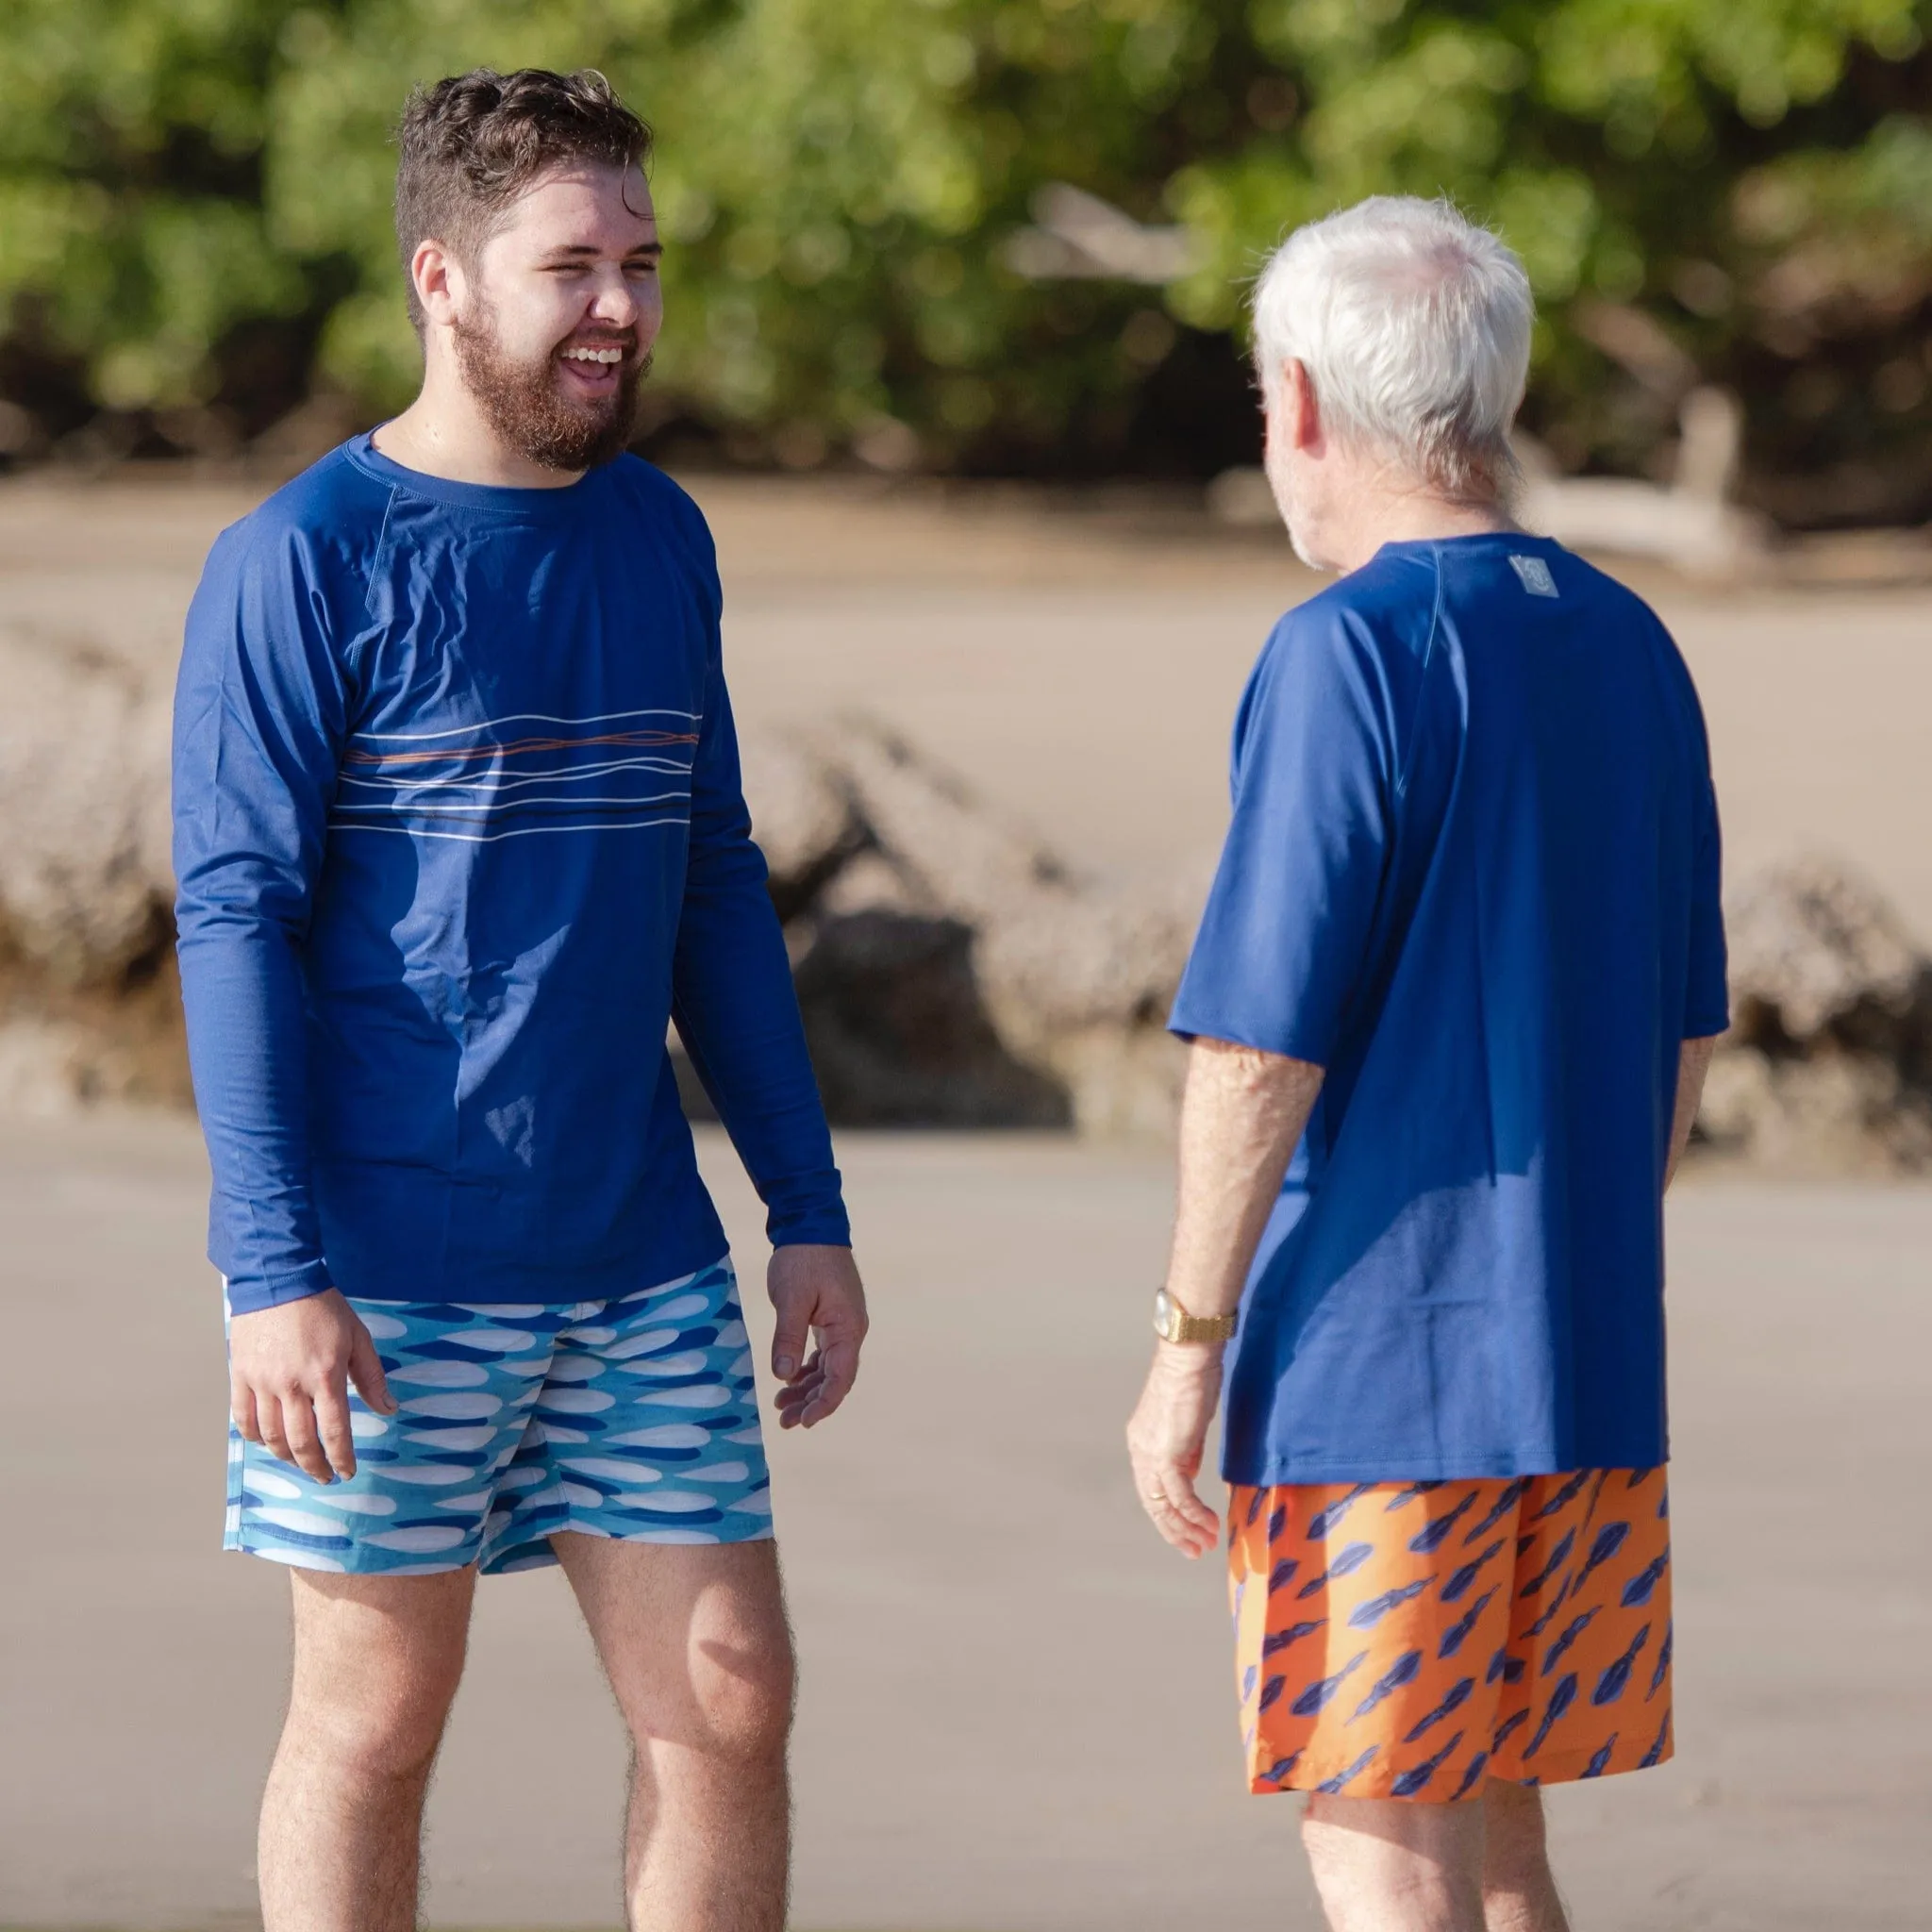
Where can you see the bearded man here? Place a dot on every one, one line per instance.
(1451, 1004)
(459, 832)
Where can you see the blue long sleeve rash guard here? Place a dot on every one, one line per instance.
(459, 831)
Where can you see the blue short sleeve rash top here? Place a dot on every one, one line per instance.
(1473, 872)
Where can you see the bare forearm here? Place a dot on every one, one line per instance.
(1693, 1063)
(1241, 1117)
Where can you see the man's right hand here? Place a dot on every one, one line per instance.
(289, 1371)
(1166, 1440)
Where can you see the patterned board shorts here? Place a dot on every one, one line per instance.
(635, 1418)
(1411, 1640)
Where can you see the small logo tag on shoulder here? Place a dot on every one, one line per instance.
(1536, 576)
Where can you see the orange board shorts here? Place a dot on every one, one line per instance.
(1411, 1640)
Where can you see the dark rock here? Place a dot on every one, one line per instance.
(1814, 951)
(901, 1036)
(802, 817)
(85, 885)
(1828, 1064)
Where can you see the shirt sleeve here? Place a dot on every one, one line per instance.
(1283, 941)
(258, 722)
(734, 1005)
(1707, 992)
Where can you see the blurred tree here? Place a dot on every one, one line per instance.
(835, 183)
(1719, 190)
(134, 253)
(194, 213)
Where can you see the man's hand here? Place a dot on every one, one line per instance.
(289, 1371)
(818, 1295)
(1167, 1436)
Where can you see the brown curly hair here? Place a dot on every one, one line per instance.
(472, 143)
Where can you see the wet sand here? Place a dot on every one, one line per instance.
(1017, 1705)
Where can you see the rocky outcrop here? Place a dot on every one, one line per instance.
(952, 970)
(1020, 995)
(1827, 1067)
(88, 1003)
(84, 879)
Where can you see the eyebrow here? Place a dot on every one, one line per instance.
(579, 250)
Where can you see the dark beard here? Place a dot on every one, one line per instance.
(527, 411)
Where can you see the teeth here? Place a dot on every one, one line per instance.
(595, 355)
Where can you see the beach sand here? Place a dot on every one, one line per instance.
(1017, 1709)
(1018, 1704)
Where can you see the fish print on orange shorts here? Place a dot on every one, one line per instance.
(1412, 1639)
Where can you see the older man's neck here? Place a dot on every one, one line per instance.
(1387, 511)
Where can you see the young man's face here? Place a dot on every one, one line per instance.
(559, 313)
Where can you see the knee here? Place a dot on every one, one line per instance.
(1372, 1859)
(747, 1702)
(1346, 1858)
(738, 1710)
(376, 1728)
(1515, 1844)
(1331, 1859)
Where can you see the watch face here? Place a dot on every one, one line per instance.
(1163, 1314)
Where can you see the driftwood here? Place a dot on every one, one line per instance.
(1041, 997)
(1029, 996)
(1692, 523)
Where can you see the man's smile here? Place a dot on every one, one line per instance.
(594, 369)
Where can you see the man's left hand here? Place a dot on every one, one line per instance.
(819, 1297)
(1167, 1438)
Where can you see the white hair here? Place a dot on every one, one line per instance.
(1413, 325)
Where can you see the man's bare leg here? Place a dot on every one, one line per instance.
(1519, 1889)
(377, 1659)
(694, 1642)
(1393, 1865)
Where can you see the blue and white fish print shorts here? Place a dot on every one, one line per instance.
(634, 1418)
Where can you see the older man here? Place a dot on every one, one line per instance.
(1452, 1002)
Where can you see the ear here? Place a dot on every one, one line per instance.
(1301, 412)
(439, 281)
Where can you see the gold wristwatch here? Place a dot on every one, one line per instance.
(1173, 1322)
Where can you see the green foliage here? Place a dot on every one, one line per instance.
(131, 214)
(835, 181)
(195, 203)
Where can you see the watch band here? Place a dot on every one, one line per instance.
(1173, 1322)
